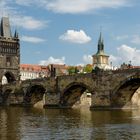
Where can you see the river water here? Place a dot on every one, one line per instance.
(17, 123)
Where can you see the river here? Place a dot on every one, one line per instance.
(17, 123)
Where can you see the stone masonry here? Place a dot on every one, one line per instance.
(109, 89)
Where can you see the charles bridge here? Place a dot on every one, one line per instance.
(109, 89)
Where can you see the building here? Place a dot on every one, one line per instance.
(9, 53)
(29, 71)
(57, 69)
(100, 59)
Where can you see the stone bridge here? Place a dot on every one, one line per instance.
(109, 89)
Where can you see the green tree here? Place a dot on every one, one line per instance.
(71, 70)
(88, 68)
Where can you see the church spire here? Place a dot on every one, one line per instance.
(100, 44)
(100, 59)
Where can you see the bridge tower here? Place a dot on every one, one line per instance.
(9, 53)
(100, 59)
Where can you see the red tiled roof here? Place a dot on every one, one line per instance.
(58, 66)
(30, 67)
(134, 67)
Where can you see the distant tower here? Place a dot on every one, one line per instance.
(100, 59)
(9, 52)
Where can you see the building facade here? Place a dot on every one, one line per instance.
(29, 71)
(100, 59)
(57, 69)
(9, 53)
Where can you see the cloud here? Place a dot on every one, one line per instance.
(75, 37)
(74, 6)
(5, 9)
(136, 39)
(32, 39)
(25, 2)
(82, 6)
(17, 18)
(87, 59)
(28, 22)
(115, 60)
(126, 54)
(121, 37)
(52, 60)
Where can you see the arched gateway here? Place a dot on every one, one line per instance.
(9, 53)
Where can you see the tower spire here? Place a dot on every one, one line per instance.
(5, 27)
(100, 43)
(16, 34)
(100, 59)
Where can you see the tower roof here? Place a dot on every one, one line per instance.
(5, 28)
(100, 44)
(100, 41)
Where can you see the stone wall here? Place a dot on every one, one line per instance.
(51, 100)
(14, 99)
(136, 99)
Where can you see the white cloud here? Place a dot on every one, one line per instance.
(17, 18)
(28, 22)
(82, 6)
(136, 39)
(121, 37)
(75, 37)
(74, 6)
(25, 2)
(5, 9)
(115, 60)
(52, 60)
(126, 54)
(87, 59)
(31, 39)
(80, 64)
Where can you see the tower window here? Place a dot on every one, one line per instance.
(8, 61)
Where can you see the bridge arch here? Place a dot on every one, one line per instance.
(34, 94)
(125, 92)
(8, 77)
(72, 93)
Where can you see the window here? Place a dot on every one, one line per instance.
(8, 61)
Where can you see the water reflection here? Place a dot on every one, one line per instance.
(9, 123)
(61, 124)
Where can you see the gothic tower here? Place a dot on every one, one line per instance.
(9, 53)
(100, 59)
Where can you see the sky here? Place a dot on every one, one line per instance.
(67, 31)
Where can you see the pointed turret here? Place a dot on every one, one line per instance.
(16, 34)
(5, 28)
(100, 44)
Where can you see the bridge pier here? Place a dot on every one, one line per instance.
(14, 99)
(100, 100)
(51, 100)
